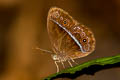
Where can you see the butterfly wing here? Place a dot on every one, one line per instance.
(65, 36)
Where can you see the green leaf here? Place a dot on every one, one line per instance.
(89, 67)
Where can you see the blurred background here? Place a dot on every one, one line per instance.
(23, 26)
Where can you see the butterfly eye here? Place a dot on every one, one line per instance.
(84, 40)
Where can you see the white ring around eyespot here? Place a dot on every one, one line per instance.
(76, 41)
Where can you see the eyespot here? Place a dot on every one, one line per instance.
(84, 40)
(65, 22)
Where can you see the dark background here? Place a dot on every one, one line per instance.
(23, 26)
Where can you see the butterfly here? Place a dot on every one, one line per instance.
(69, 39)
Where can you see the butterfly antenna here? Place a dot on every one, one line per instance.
(42, 50)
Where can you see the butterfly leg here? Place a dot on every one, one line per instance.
(63, 64)
(70, 63)
(73, 61)
(57, 65)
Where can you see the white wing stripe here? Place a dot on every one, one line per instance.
(77, 42)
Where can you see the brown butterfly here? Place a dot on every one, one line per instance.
(69, 39)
